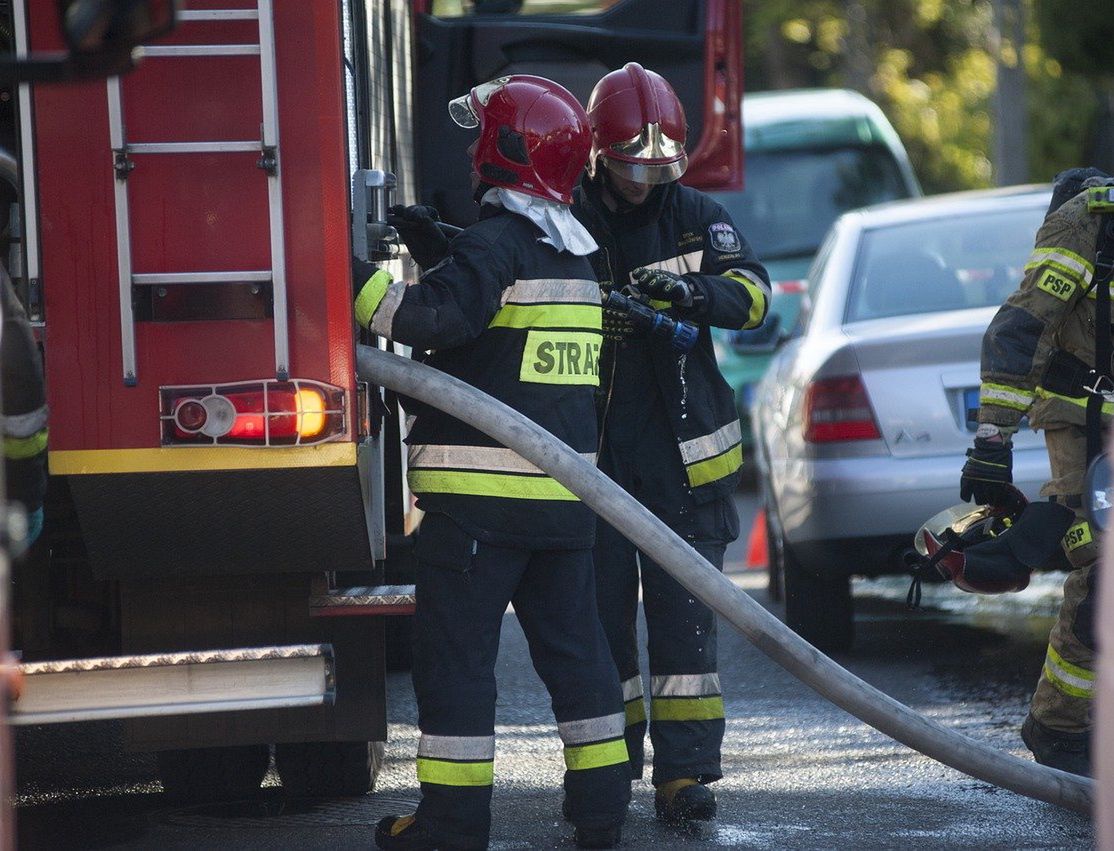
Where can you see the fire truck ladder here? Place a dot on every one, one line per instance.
(268, 146)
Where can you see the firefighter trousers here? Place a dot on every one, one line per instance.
(463, 589)
(1065, 692)
(686, 704)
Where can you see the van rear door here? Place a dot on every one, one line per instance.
(694, 44)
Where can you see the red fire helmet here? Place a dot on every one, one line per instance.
(534, 135)
(638, 126)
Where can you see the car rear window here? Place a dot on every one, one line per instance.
(792, 197)
(962, 261)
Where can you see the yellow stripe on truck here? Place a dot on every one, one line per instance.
(181, 459)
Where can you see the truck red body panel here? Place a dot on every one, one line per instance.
(195, 212)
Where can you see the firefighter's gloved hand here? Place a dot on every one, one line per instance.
(988, 473)
(370, 293)
(417, 228)
(660, 285)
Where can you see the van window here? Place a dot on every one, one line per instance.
(792, 197)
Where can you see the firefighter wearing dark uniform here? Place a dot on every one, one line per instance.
(512, 314)
(669, 426)
(24, 410)
(1036, 357)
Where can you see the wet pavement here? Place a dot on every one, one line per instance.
(799, 773)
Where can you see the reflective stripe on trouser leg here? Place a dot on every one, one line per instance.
(686, 704)
(556, 607)
(1065, 693)
(1063, 699)
(461, 601)
(616, 568)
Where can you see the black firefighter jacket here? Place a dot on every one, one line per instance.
(684, 231)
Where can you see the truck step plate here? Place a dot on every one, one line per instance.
(364, 600)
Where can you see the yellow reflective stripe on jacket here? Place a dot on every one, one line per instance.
(1078, 401)
(1074, 266)
(21, 448)
(468, 483)
(447, 773)
(759, 292)
(686, 708)
(561, 357)
(586, 316)
(1005, 396)
(371, 295)
(1071, 679)
(703, 472)
(596, 755)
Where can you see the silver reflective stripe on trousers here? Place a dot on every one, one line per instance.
(632, 689)
(592, 729)
(684, 685)
(456, 747)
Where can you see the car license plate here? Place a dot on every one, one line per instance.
(971, 408)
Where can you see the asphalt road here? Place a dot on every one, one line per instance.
(799, 773)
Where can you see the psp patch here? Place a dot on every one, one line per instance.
(724, 237)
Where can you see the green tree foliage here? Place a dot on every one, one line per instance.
(932, 67)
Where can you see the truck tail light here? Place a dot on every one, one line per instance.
(838, 409)
(253, 413)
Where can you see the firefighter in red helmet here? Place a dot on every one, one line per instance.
(512, 308)
(670, 433)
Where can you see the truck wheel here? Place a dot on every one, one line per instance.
(818, 607)
(328, 769)
(209, 775)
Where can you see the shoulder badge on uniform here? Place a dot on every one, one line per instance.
(724, 237)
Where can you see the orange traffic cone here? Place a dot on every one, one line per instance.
(758, 553)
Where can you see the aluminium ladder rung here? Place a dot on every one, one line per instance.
(268, 147)
(174, 684)
(150, 279)
(364, 600)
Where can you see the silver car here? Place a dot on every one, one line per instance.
(863, 420)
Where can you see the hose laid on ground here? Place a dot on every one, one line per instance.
(715, 590)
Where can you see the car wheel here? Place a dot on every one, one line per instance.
(328, 769)
(213, 775)
(818, 606)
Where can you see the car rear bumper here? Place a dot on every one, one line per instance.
(846, 498)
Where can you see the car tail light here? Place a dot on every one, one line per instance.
(838, 409)
(259, 413)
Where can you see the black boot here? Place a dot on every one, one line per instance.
(679, 801)
(598, 837)
(405, 833)
(1057, 749)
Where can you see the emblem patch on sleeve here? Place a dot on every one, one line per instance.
(724, 238)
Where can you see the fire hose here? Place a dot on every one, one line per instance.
(715, 590)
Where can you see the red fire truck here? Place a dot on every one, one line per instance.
(219, 477)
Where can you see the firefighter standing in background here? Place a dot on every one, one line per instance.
(669, 426)
(514, 310)
(1037, 357)
(24, 388)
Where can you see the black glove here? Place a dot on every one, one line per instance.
(660, 285)
(988, 473)
(417, 228)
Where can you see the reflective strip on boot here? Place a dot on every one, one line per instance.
(456, 760)
(1072, 680)
(685, 697)
(633, 703)
(594, 742)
